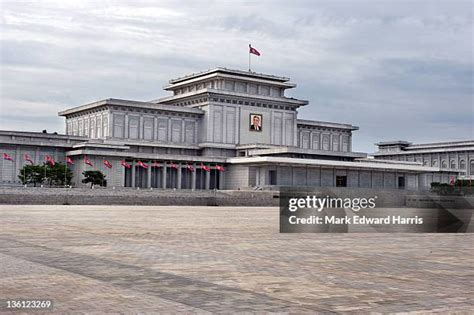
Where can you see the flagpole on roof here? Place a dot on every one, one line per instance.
(250, 46)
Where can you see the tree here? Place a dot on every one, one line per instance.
(47, 174)
(31, 174)
(59, 174)
(94, 178)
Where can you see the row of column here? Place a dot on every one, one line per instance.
(164, 171)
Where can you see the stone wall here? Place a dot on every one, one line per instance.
(130, 196)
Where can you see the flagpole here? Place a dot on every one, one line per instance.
(249, 57)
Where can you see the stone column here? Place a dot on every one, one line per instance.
(155, 128)
(208, 180)
(221, 180)
(18, 162)
(133, 174)
(140, 127)
(163, 178)
(179, 176)
(193, 178)
(125, 126)
(148, 175)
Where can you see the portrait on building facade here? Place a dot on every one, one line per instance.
(256, 122)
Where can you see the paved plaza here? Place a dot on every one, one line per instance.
(96, 259)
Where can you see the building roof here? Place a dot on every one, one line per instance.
(393, 143)
(358, 164)
(435, 147)
(275, 150)
(215, 92)
(326, 124)
(230, 71)
(258, 78)
(40, 139)
(129, 103)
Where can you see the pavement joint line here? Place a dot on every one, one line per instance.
(250, 301)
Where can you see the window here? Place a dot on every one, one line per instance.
(453, 164)
(272, 177)
(335, 143)
(92, 128)
(326, 142)
(105, 124)
(341, 181)
(86, 127)
(444, 164)
(345, 143)
(434, 163)
(316, 141)
(401, 182)
(119, 122)
(462, 164)
(80, 127)
(133, 127)
(99, 127)
(148, 128)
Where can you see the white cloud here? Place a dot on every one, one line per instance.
(396, 68)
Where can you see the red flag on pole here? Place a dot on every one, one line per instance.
(173, 165)
(205, 167)
(219, 168)
(107, 163)
(26, 157)
(125, 164)
(69, 161)
(7, 157)
(140, 163)
(189, 167)
(49, 159)
(87, 161)
(452, 181)
(253, 51)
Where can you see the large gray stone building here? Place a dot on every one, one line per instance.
(455, 155)
(238, 120)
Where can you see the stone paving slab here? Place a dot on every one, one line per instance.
(111, 259)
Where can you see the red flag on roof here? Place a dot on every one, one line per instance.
(156, 164)
(69, 161)
(107, 163)
(26, 157)
(253, 51)
(125, 164)
(140, 163)
(173, 165)
(87, 161)
(189, 167)
(205, 167)
(7, 157)
(219, 168)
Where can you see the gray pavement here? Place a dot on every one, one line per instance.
(97, 259)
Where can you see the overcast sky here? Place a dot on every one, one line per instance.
(397, 69)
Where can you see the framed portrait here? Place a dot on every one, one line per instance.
(255, 122)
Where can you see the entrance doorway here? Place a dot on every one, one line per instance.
(341, 181)
(401, 182)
